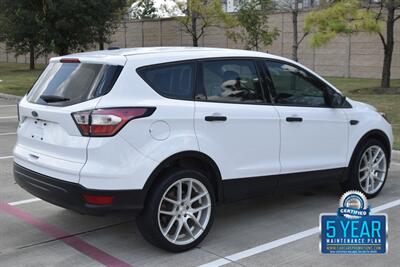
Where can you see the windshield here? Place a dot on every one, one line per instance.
(64, 84)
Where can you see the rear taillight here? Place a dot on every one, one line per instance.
(108, 121)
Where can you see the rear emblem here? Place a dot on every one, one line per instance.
(35, 114)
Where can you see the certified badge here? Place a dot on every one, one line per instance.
(352, 230)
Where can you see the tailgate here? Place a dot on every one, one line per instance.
(49, 141)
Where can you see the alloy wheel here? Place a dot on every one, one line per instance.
(372, 169)
(184, 211)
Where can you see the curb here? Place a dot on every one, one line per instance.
(12, 98)
(396, 156)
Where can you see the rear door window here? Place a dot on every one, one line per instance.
(170, 80)
(233, 81)
(64, 84)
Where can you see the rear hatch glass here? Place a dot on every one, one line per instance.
(65, 84)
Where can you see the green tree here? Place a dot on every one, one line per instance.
(252, 19)
(293, 7)
(21, 23)
(143, 9)
(106, 17)
(349, 17)
(200, 15)
(74, 25)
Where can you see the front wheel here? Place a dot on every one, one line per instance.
(368, 170)
(179, 211)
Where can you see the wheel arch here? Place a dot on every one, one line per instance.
(373, 134)
(188, 159)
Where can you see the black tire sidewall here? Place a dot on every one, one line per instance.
(148, 220)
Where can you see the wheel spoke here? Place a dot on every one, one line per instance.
(196, 221)
(363, 169)
(375, 156)
(367, 184)
(380, 170)
(372, 183)
(198, 197)
(365, 160)
(376, 177)
(365, 176)
(170, 224)
(195, 210)
(179, 192)
(185, 224)
(370, 154)
(379, 160)
(171, 201)
(178, 230)
(168, 212)
(189, 190)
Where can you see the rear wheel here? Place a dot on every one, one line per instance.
(369, 168)
(179, 212)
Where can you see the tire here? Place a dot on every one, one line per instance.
(373, 174)
(152, 223)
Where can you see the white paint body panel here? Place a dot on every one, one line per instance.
(254, 141)
(369, 119)
(246, 144)
(319, 142)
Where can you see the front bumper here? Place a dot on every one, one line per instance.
(70, 195)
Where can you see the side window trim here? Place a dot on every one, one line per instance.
(200, 94)
(266, 82)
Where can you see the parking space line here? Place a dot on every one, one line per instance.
(6, 157)
(73, 241)
(2, 134)
(16, 203)
(8, 117)
(283, 241)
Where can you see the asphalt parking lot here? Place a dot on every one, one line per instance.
(269, 231)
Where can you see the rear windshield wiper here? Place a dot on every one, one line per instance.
(53, 98)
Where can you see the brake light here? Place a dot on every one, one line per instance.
(107, 122)
(70, 60)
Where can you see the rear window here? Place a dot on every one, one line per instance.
(64, 84)
(170, 80)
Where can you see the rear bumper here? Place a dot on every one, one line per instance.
(70, 195)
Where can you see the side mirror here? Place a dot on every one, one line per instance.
(336, 100)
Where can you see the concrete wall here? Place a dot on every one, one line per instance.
(358, 55)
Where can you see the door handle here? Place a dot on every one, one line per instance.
(215, 118)
(294, 119)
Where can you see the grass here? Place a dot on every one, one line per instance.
(17, 79)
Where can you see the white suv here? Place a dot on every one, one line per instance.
(171, 131)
